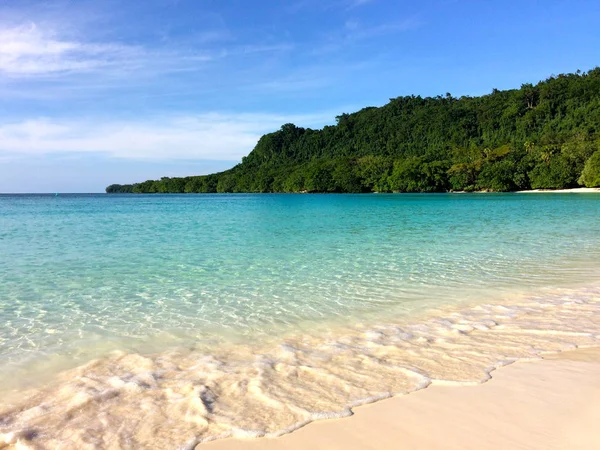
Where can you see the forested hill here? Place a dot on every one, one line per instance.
(542, 136)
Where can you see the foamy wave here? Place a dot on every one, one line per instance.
(180, 399)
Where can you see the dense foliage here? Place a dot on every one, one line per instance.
(591, 171)
(543, 136)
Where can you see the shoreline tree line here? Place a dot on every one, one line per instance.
(543, 136)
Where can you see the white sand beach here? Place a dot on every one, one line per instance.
(553, 403)
(582, 190)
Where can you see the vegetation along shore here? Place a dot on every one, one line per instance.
(543, 136)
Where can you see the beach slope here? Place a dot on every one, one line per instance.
(553, 403)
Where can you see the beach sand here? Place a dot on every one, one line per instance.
(582, 190)
(552, 403)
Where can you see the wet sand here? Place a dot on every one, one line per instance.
(553, 403)
(183, 398)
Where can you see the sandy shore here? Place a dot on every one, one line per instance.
(562, 191)
(581, 190)
(552, 403)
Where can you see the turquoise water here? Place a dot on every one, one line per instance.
(81, 275)
(167, 321)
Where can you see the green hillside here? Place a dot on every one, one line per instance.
(539, 136)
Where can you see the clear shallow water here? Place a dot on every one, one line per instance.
(80, 274)
(234, 278)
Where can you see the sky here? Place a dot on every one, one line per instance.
(105, 91)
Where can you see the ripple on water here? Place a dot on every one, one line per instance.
(181, 398)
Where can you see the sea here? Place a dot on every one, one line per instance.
(165, 321)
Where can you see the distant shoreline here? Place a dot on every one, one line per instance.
(582, 190)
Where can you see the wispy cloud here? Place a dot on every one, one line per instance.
(291, 84)
(298, 5)
(27, 50)
(356, 3)
(354, 31)
(249, 49)
(213, 136)
(364, 32)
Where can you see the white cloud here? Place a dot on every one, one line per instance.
(207, 136)
(27, 50)
(30, 51)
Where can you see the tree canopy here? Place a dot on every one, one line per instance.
(539, 136)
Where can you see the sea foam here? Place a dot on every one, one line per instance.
(183, 398)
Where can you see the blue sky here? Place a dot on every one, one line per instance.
(103, 91)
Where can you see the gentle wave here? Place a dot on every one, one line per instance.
(182, 398)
